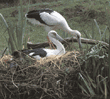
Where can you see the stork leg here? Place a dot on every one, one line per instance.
(50, 43)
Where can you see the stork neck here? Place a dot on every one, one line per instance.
(70, 31)
(67, 29)
(59, 46)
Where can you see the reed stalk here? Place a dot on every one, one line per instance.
(11, 43)
(16, 31)
(108, 20)
(98, 28)
(109, 58)
(4, 20)
(93, 30)
(20, 24)
(94, 72)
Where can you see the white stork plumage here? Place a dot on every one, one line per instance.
(51, 20)
(39, 53)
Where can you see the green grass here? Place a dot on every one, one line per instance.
(90, 17)
(93, 77)
(82, 21)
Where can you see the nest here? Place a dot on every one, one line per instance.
(52, 77)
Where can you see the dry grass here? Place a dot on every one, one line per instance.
(51, 77)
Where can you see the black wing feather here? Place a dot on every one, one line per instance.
(36, 14)
(37, 51)
(23, 53)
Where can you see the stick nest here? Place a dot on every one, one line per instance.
(52, 77)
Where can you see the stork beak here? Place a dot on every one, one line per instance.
(79, 41)
(59, 38)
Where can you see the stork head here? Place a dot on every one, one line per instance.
(31, 14)
(78, 35)
(54, 34)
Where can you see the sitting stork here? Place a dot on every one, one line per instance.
(39, 53)
(51, 20)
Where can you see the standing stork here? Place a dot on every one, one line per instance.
(39, 53)
(51, 20)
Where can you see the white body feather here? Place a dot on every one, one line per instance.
(53, 21)
(59, 51)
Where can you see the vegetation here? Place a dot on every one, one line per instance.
(90, 17)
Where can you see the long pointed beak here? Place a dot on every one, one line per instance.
(59, 38)
(79, 41)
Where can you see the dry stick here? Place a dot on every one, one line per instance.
(13, 80)
(69, 39)
(33, 86)
(4, 52)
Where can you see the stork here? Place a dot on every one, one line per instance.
(51, 20)
(39, 53)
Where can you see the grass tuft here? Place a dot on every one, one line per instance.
(93, 77)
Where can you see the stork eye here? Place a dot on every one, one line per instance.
(54, 34)
(78, 36)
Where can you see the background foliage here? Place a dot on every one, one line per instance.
(90, 17)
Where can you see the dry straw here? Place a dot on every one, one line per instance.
(52, 76)
(5, 58)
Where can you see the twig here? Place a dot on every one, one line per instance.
(13, 81)
(4, 52)
(69, 39)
